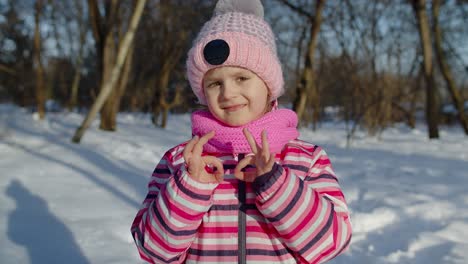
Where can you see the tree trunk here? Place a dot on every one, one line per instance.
(97, 29)
(432, 105)
(120, 88)
(165, 106)
(160, 105)
(40, 85)
(109, 84)
(410, 121)
(412, 110)
(170, 55)
(125, 76)
(107, 122)
(111, 107)
(307, 87)
(73, 100)
(445, 69)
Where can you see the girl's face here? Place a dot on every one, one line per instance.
(235, 96)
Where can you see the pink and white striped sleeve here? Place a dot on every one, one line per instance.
(308, 211)
(172, 211)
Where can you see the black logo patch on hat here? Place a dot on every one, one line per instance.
(216, 52)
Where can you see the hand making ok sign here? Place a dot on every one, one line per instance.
(261, 158)
(197, 164)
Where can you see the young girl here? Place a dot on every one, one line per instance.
(244, 189)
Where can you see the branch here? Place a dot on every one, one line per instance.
(177, 100)
(297, 9)
(116, 71)
(8, 70)
(95, 20)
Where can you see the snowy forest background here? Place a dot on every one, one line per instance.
(381, 85)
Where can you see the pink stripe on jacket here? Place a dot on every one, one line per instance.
(295, 214)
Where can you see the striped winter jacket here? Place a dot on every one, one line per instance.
(294, 214)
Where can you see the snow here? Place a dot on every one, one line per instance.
(66, 203)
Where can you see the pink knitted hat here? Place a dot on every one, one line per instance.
(237, 35)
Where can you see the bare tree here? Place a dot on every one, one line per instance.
(106, 27)
(369, 92)
(40, 85)
(170, 54)
(445, 68)
(17, 65)
(109, 85)
(73, 100)
(432, 103)
(307, 89)
(107, 32)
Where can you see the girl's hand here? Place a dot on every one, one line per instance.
(261, 158)
(198, 165)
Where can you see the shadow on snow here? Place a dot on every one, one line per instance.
(44, 236)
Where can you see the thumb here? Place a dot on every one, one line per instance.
(238, 173)
(215, 162)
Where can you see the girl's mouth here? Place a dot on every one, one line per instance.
(233, 108)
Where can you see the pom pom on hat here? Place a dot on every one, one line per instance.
(237, 36)
(253, 7)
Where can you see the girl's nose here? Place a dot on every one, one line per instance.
(228, 91)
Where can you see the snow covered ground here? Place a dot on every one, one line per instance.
(67, 203)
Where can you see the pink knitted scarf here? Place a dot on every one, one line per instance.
(280, 125)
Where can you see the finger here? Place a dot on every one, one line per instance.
(191, 143)
(249, 176)
(248, 160)
(239, 175)
(215, 162)
(265, 145)
(198, 148)
(268, 166)
(189, 148)
(271, 161)
(250, 140)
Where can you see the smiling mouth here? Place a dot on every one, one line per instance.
(233, 108)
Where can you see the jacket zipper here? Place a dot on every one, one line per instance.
(242, 256)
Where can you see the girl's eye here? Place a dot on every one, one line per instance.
(214, 84)
(242, 78)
